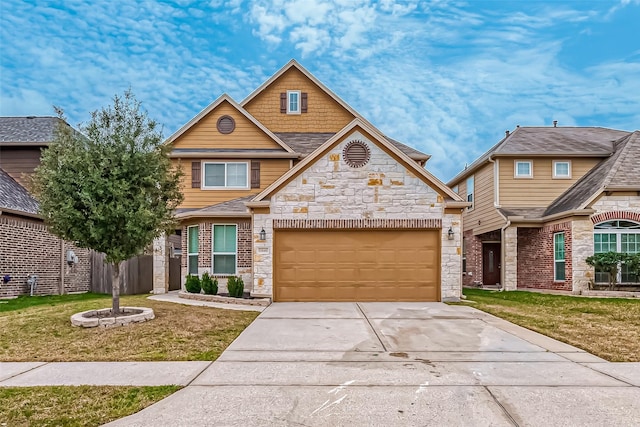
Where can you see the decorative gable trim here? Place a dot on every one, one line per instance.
(240, 109)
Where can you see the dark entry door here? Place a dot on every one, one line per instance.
(490, 263)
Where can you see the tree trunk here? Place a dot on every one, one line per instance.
(115, 289)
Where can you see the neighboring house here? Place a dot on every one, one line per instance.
(298, 194)
(26, 247)
(543, 200)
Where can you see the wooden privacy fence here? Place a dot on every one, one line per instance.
(136, 274)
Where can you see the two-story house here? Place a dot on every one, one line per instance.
(298, 194)
(27, 249)
(543, 200)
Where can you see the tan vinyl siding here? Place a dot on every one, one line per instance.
(19, 162)
(324, 113)
(270, 170)
(484, 216)
(542, 189)
(204, 134)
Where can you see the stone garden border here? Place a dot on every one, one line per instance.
(92, 319)
(263, 302)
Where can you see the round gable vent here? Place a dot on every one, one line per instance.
(226, 124)
(356, 154)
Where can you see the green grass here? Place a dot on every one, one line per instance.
(74, 406)
(606, 327)
(23, 302)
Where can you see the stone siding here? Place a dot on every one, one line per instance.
(28, 248)
(383, 189)
(510, 256)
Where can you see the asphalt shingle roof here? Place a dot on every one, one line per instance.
(35, 130)
(14, 196)
(230, 206)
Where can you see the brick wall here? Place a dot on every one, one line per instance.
(473, 250)
(26, 247)
(535, 257)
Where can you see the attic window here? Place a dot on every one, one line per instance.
(226, 124)
(356, 154)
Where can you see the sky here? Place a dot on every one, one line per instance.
(446, 77)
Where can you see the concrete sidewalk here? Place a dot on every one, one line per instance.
(398, 364)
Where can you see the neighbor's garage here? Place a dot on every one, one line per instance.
(357, 265)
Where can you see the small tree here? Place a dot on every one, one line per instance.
(111, 188)
(607, 262)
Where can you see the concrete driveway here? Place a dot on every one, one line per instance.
(398, 364)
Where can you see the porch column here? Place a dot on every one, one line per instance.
(581, 248)
(510, 256)
(161, 265)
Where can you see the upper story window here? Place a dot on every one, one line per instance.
(523, 169)
(225, 175)
(293, 102)
(470, 189)
(561, 169)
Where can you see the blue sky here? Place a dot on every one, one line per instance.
(447, 77)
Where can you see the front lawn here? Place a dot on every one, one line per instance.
(74, 406)
(606, 327)
(39, 329)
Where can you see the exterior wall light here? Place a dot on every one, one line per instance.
(450, 233)
(263, 234)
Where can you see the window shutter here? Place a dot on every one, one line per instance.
(303, 102)
(283, 102)
(255, 174)
(195, 174)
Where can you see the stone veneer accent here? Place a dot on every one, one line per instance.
(582, 238)
(28, 248)
(357, 223)
(510, 256)
(160, 265)
(383, 191)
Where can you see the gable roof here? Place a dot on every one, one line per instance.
(549, 141)
(306, 143)
(28, 130)
(230, 208)
(430, 179)
(14, 197)
(620, 171)
(241, 110)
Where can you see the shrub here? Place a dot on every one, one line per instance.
(209, 285)
(193, 284)
(235, 285)
(607, 262)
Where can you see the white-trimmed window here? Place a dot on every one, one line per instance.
(293, 102)
(225, 175)
(192, 249)
(225, 249)
(523, 169)
(559, 273)
(617, 236)
(470, 189)
(561, 169)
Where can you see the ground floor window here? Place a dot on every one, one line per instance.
(225, 252)
(192, 249)
(558, 257)
(617, 236)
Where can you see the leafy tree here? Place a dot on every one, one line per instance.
(112, 187)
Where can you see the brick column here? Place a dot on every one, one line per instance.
(161, 265)
(510, 265)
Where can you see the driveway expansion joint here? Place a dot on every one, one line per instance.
(372, 328)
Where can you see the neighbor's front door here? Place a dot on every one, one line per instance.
(490, 263)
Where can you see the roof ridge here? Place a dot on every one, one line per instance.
(617, 162)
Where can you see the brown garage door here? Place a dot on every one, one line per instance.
(357, 265)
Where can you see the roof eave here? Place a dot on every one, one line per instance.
(221, 214)
(19, 212)
(235, 155)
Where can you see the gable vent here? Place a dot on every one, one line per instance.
(226, 124)
(356, 154)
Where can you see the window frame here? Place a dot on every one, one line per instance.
(298, 93)
(556, 260)
(214, 253)
(189, 253)
(204, 185)
(515, 169)
(472, 193)
(555, 172)
(618, 233)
